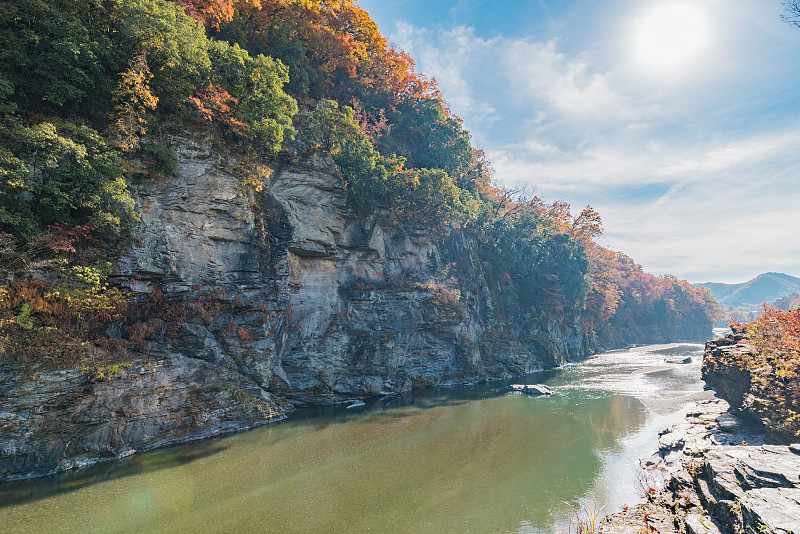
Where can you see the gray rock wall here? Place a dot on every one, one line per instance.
(250, 302)
(716, 474)
(62, 419)
(335, 305)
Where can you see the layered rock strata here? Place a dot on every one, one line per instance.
(760, 385)
(62, 419)
(716, 473)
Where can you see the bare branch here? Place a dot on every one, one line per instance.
(792, 15)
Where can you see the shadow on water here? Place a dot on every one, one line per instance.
(314, 418)
(25, 491)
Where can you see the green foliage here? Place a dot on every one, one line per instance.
(436, 199)
(523, 247)
(172, 59)
(93, 275)
(173, 46)
(24, 318)
(429, 196)
(428, 139)
(61, 174)
(257, 85)
(55, 53)
(364, 172)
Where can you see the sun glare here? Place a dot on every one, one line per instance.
(670, 35)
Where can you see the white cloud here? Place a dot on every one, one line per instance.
(685, 184)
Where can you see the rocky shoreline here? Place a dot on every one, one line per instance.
(716, 472)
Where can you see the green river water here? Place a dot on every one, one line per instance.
(467, 459)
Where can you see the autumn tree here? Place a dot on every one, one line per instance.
(255, 84)
(210, 12)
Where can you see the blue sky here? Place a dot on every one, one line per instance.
(687, 144)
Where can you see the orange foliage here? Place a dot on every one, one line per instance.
(621, 290)
(328, 30)
(213, 102)
(775, 331)
(40, 322)
(773, 367)
(343, 42)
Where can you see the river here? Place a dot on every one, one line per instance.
(445, 460)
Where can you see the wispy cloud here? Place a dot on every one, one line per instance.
(685, 180)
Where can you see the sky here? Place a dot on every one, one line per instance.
(679, 121)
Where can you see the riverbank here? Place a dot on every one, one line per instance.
(715, 472)
(456, 459)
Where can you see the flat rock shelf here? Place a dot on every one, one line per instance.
(715, 473)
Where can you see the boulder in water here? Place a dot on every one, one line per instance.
(687, 359)
(532, 389)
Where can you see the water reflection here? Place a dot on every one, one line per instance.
(475, 459)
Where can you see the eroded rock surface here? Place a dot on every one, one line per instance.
(330, 305)
(722, 475)
(62, 419)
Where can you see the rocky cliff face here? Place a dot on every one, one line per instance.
(314, 303)
(278, 297)
(758, 385)
(66, 418)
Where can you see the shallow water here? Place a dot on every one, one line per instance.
(477, 459)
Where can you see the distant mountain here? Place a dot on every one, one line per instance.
(767, 287)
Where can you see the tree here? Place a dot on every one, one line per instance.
(61, 173)
(587, 225)
(54, 53)
(173, 46)
(255, 84)
(792, 15)
(211, 12)
(134, 100)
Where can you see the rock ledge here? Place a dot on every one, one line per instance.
(716, 473)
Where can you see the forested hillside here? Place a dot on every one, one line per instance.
(91, 91)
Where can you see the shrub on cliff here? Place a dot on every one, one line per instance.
(60, 173)
(522, 246)
(124, 67)
(772, 366)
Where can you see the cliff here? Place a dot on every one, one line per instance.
(248, 303)
(760, 383)
(293, 290)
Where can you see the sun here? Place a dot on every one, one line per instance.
(670, 35)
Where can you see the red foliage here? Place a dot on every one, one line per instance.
(65, 238)
(621, 290)
(208, 12)
(775, 331)
(341, 42)
(373, 129)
